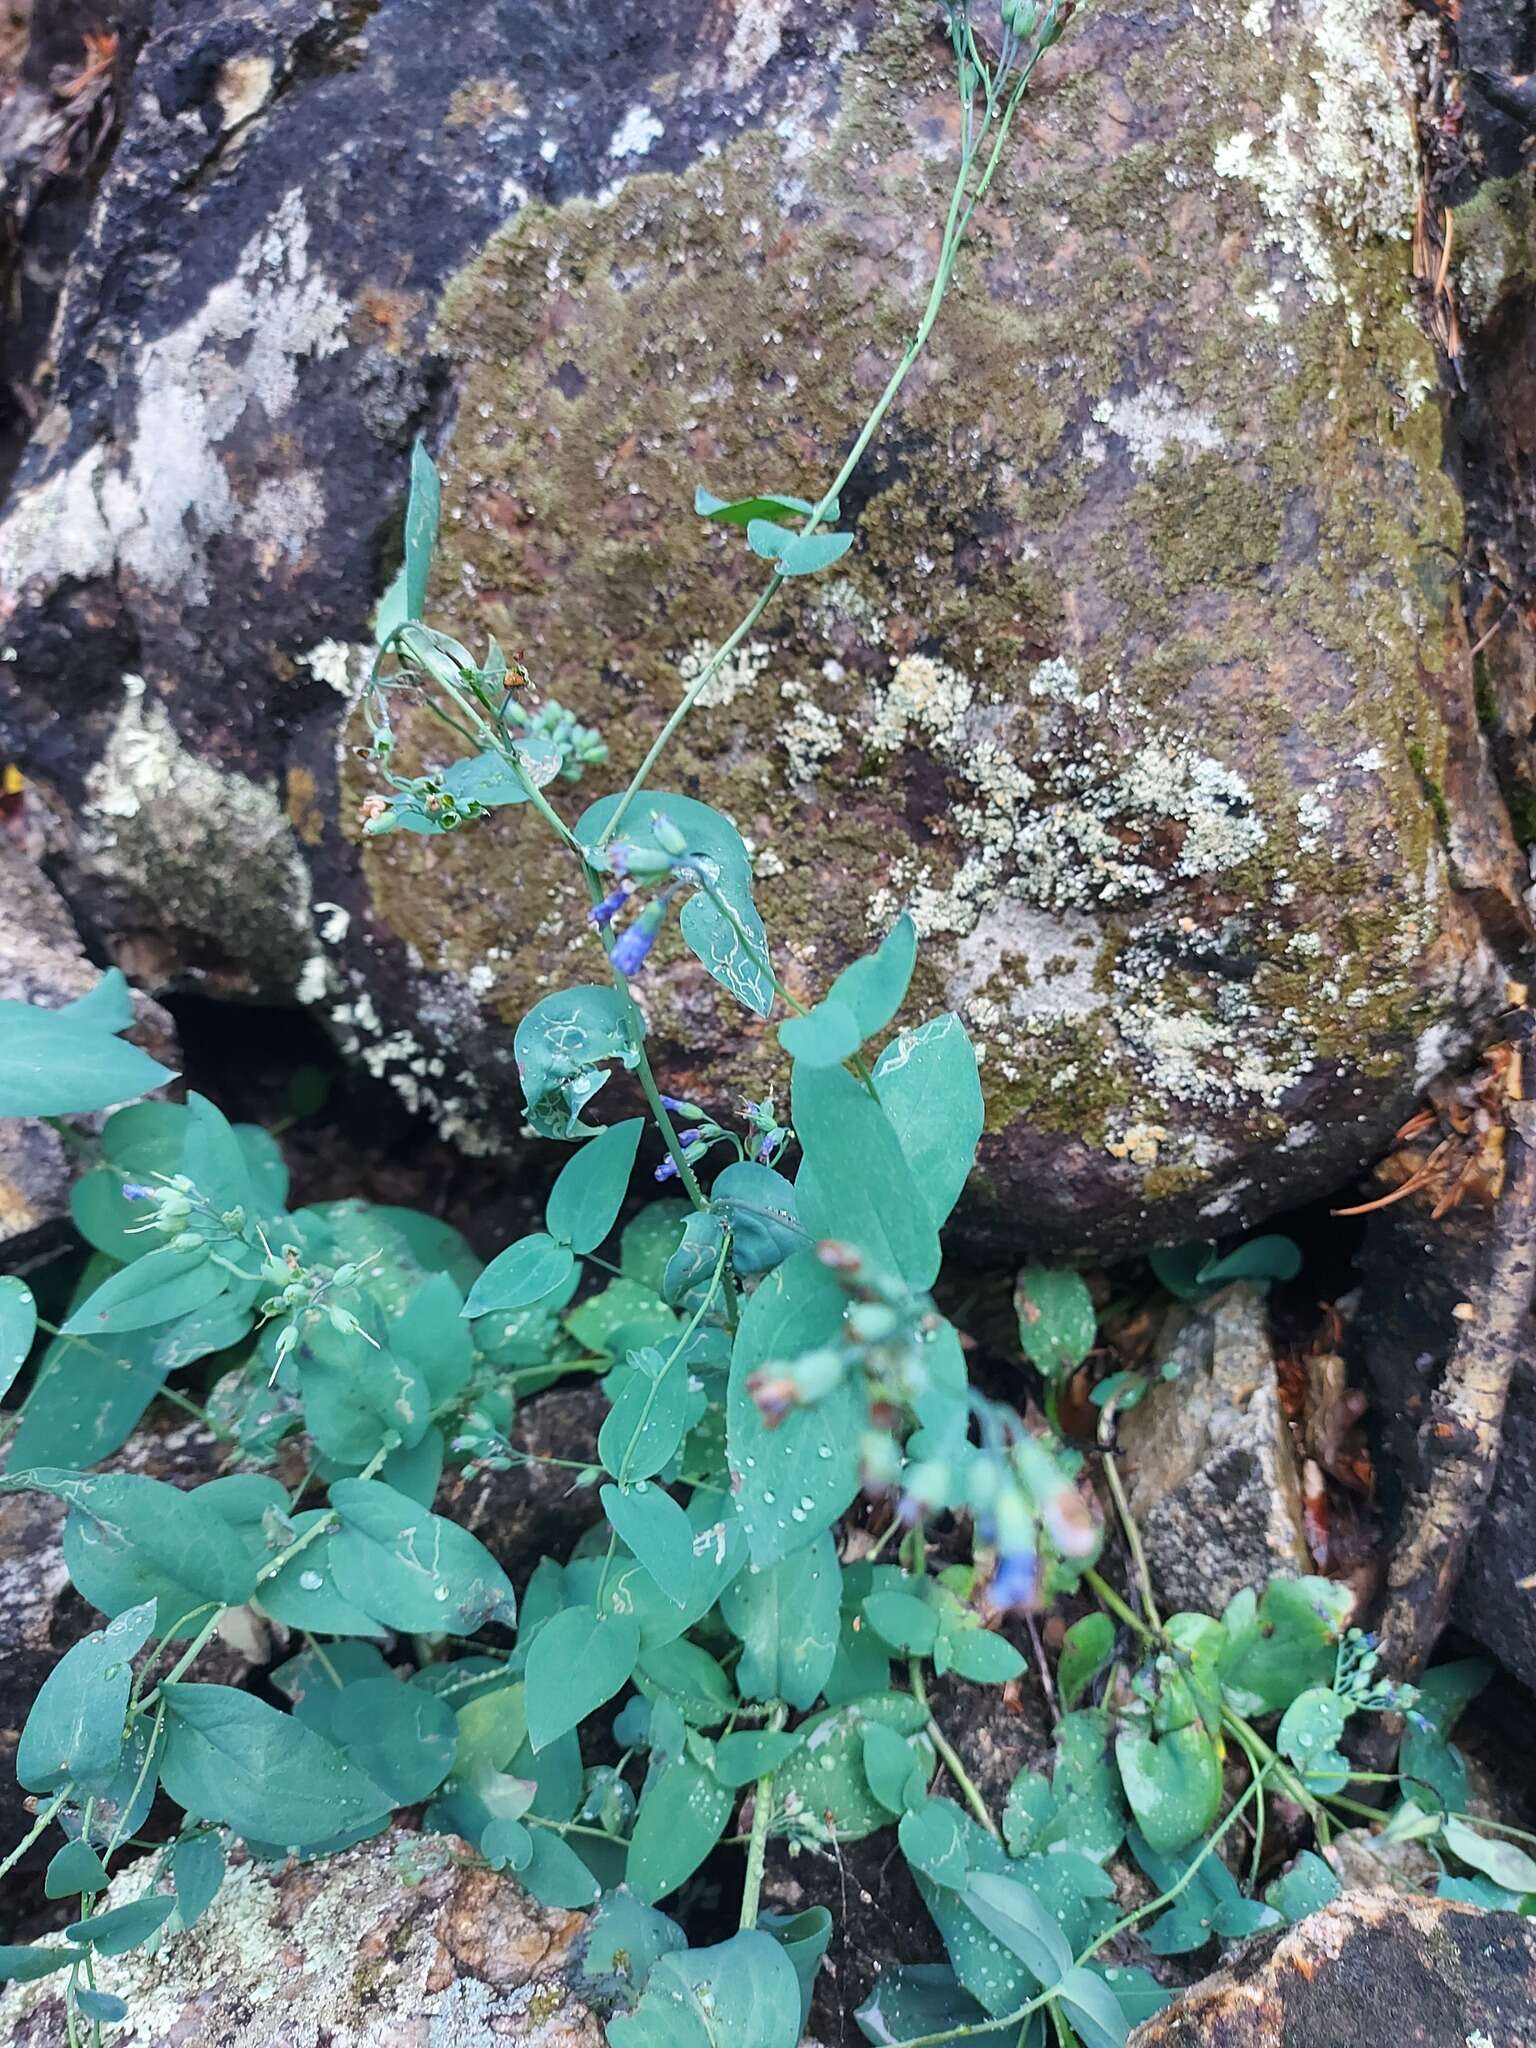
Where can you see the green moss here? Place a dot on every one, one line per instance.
(1248, 569)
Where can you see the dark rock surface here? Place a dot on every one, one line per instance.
(1375, 1969)
(1148, 689)
(1416, 1272)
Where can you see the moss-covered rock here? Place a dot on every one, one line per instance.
(1142, 687)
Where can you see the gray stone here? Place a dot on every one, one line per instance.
(1209, 1468)
(1148, 688)
(394, 1944)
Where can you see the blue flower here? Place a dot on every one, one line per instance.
(637, 939)
(606, 911)
(1015, 1582)
(135, 1191)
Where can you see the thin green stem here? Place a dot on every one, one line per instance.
(946, 1750)
(1105, 1593)
(38, 1827)
(1132, 1539)
(757, 1841)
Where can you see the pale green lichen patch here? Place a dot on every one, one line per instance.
(1117, 690)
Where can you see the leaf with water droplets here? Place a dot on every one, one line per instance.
(74, 1733)
(786, 1617)
(412, 1569)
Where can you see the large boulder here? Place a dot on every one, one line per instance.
(396, 1944)
(1145, 686)
(1376, 1969)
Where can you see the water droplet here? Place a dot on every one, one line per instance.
(311, 1581)
(823, 1450)
(806, 1503)
(439, 1592)
(769, 1499)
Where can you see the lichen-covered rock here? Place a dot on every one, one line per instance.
(395, 1944)
(1375, 1969)
(43, 961)
(1209, 1468)
(1144, 687)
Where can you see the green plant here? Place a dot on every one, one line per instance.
(770, 1351)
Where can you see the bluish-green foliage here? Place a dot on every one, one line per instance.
(771, 1353)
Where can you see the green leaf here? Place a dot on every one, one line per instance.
(422, 512)
(214, 1160)
(74, 1733)
(933, 1841)
(682, 1815)
(1505, 1862)
(1172, 1784)
(577, 1662)
(978, 1654)
(430, 1335)
(642, 1430)
(561, 1047)
(524, 1273)
(1305, 1888)
(1432, 1770)
(1308, 1734)
(75, 1872)
(129, 1540)
(624, 1941)
(556, 1875)
(809, 553)
(910, 2002)
(759, 1205)
(731, 942)
(743, 1994)
(66, 1062)
(89, 1392)
(905, 1620)
(1093, 2010)
(792, 1482)
(875, 987)
(197, 1871)
(804, 1938)
(823, 1037)
(826, 1771)
(356, 1393)
(155, 1289)
(105, 2006)
(1058, 1323)
(413, 1569)
(1282, 1644)
(768, 539)
(1011, 1911)
(18, 1325)
(854, 1182)
(692, 1680)
(1260, 1259)
(894, 1769)
(402, 1737)
(25, 1964)
(303, 1594)
(658, 1532)
(1086, 1649)
(584, 1203)
(648, 1242)
(929, 1089)
(124, 1927)
(229, 1757)
(740, 511)
(786, 1617)
(686, 1283)
(744, 1756)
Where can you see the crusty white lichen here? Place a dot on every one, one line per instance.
(152, 504)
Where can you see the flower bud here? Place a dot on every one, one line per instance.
(344, 1276)
(186, 1241)
(669, 837)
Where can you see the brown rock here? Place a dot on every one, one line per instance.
(1373, 1970)
(393, 1944)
